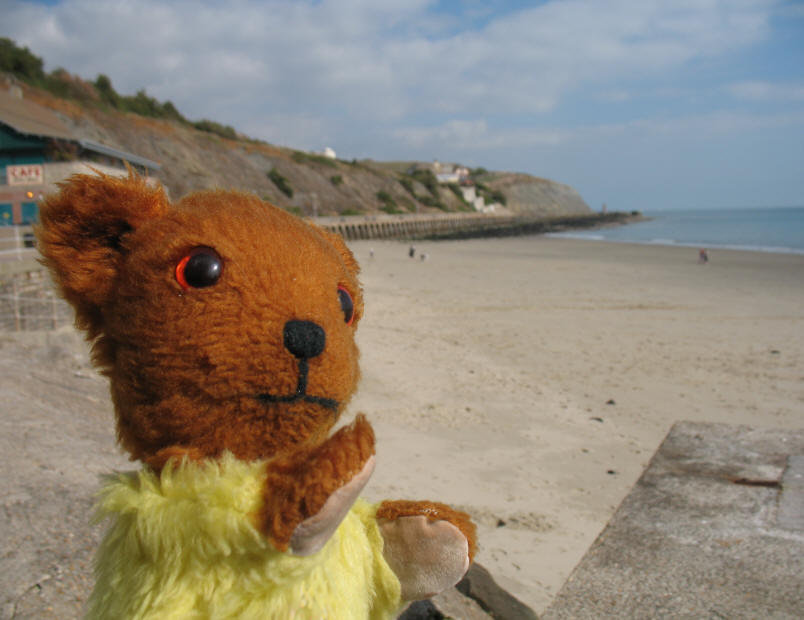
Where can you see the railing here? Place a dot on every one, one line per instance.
(16, 243)
(28, 301)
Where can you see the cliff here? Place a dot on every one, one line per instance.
(302, 182)
(527, 195)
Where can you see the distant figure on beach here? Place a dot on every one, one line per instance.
(371, 252)
(412, 252)
(703, 257)
(423, 257)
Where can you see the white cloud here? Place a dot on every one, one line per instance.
(457, 133)
(475, 136)
(378, 60)
(614, 96)
(767, 91)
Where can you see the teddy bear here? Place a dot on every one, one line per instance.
(226, 327)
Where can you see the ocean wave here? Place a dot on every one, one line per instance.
(684, 244)
(675, 243)
(577, 235)
(743, 248)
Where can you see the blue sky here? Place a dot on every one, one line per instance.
(641, 104)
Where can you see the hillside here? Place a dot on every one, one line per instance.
(528, 194)
(193, 160)
(205, 154)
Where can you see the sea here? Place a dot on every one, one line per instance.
(769, 229)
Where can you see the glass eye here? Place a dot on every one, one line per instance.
(202, 267)
(347, 305)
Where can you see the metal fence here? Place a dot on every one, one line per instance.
(16, 243)
(28, 302)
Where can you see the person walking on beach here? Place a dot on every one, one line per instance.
(703, 257)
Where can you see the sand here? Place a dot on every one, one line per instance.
(526, 380)
(530, 380)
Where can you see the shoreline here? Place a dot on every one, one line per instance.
(677, 244)
(769, 230)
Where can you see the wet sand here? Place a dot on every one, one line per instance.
(530, 380)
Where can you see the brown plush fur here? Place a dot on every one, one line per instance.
(187, 365)
(297, 485)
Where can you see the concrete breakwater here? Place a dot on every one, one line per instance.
(463, 226)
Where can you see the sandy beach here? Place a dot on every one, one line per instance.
(530, 380)
(526, 380)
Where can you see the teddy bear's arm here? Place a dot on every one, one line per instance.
(428, 545)
(307, 493)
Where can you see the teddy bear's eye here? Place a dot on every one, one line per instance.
(202, 267)
(347, 305)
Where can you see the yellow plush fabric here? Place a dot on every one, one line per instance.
(183, 545)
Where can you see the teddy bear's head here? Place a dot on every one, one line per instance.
(222, 322)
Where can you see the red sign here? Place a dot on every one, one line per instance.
(29, 174)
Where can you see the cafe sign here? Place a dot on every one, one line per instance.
(28, 174)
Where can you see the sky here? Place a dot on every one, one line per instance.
(638, 104)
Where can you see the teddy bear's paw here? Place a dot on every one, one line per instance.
(434, 511)
(427, 556)
(312, 534)
(299, 487)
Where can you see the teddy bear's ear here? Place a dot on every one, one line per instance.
(82, 233)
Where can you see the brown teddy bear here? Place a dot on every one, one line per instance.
(226, 327)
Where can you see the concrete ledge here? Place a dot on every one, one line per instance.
(700, 534)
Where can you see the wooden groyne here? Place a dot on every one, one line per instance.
(463, 226)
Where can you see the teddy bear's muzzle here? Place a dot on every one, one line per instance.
(305, 340)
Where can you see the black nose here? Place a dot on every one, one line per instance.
(304, 339)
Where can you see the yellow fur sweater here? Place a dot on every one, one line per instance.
(183, 545)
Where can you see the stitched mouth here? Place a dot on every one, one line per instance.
(301, 392)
